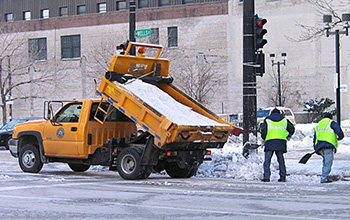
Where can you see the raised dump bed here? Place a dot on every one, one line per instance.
(141, 89)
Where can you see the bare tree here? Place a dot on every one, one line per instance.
(199, 79)
(273, 92)
(17, 72)
(289, 91)
(323, 7)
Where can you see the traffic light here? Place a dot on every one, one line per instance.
(259, 32)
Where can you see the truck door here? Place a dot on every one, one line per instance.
(63, 136)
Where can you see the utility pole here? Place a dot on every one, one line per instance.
(132, 24)
(249, 77)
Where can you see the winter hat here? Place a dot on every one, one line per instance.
(327, 115)
(275, 110)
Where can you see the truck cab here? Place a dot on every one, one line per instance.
(72, 135)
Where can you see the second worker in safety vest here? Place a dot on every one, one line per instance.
(276, 130)
(327, 134)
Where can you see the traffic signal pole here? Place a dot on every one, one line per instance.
(132, 24)
(249, 76)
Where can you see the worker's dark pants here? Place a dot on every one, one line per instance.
(267, 163)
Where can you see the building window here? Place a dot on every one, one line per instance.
(121, 5)
(164, 2)
(9, 17)
(44, 13)
(27, 15)
(64, 11)
(172, 36)
(102, 7)
(143, 3)
(70, 46)
(187, 1)
(154, 39)
(37, 49)
(81, 9)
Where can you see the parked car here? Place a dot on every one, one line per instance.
(7, 129)
(264, 112)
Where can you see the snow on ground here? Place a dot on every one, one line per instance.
(228, 162)
(165, 104)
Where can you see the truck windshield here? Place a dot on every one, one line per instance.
(262, 113)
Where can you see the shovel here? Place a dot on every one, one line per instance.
(306, 157)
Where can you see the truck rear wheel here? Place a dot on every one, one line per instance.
(129, 164)
(79, 167)
(174, 171)
(29, 159)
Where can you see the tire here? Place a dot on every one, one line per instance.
(7, 142)
(147, 170)
(192, 172)
(129, 164)
(78, 167)
(29, 159)
(174, 171)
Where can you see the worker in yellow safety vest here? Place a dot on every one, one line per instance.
(276, 130)
(327, 134)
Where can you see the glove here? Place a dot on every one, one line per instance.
(289, 137)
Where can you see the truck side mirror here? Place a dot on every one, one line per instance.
(49, 112)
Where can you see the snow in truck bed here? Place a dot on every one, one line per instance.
(168, 106)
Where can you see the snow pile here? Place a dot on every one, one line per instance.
(228, 162)
(167, 106)
(302, 138)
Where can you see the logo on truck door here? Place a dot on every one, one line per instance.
(60, 133)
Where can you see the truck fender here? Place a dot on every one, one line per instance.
(38, 137)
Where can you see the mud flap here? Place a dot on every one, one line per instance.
(151, 153)
(190, 158)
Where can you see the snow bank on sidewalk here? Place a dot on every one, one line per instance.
(229, 162)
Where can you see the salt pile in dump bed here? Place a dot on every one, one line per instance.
(167, 106)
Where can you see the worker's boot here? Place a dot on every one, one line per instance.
(265, 180)
(282, 179)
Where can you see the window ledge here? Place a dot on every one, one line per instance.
(71, 59)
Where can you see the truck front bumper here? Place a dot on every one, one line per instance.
(13, 147)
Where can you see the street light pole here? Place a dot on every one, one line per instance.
(328, 19)
(337, 70)
(279, 83)
(278, 63)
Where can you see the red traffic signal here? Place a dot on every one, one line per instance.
(259, 32)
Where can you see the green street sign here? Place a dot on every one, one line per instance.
(143, 33)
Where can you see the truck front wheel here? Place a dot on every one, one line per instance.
(174, 171)
(29, 159)
(78, 167)
(129, 164)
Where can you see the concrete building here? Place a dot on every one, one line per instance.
(71, 42)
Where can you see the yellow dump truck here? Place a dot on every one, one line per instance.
(136, 90)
